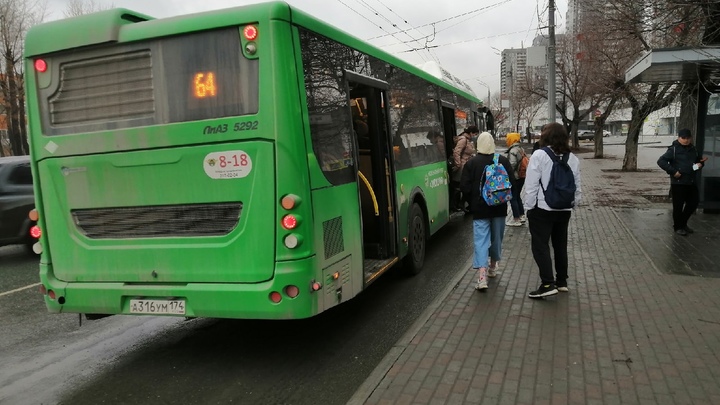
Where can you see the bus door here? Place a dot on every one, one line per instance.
(368, 104)
(450, 130)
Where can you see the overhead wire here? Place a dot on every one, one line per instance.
(370, 21)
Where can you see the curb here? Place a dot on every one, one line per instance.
(367, 388)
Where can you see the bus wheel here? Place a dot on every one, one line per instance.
(416, 241)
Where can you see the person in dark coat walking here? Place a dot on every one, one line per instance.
(681, 161)
(488, 222)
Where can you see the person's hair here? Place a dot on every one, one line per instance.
(472, 129)
(685, 133)
(432, 134)
(556, 137)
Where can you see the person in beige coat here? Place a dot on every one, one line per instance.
(463, 151)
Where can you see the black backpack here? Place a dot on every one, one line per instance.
(560, 191)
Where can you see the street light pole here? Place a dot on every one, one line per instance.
(488, 93)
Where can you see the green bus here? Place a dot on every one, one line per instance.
(253, 162)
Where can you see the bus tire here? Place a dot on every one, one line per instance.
(417, 237)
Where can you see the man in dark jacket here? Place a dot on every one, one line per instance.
(681, 161)
(488, 221)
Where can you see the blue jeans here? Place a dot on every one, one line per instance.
(516, 203)
(487, 240)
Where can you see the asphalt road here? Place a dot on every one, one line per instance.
(51, 358)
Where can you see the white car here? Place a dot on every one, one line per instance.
(606, 134)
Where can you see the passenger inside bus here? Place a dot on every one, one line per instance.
(362, 132)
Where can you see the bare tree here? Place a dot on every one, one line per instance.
(16, 16)
(81, 7)
(614, 34)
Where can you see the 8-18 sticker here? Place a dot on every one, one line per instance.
(233, 164)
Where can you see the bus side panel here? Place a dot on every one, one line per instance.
(338, 242)
(430, 183)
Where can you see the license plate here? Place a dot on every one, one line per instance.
(159, 307)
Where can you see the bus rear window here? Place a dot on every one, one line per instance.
(208, 77)
(189, 77)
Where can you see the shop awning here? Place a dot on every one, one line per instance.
(676, 65)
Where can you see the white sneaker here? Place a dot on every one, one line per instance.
(523, 219)
(514, 222)
(482, 279)
(492, 270)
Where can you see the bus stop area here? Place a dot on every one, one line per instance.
(640, 324)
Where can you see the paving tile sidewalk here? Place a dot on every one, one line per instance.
(628, 332)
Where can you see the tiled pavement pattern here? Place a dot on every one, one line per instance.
(629, 331)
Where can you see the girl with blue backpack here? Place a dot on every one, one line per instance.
(487, 208)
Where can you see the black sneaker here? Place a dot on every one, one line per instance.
(681, 232)
(689, 230)
(545, 290)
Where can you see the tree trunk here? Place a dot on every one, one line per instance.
(599, 125)
(631, 143)
(16, 142)
(21, 117)
(688, 109)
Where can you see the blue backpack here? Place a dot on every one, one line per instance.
(496, 188)
(560, 191)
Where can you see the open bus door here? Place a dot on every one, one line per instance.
(368, 103)
(450, 130)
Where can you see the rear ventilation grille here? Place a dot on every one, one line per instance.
(160, 221)
(110, 88)
(333, 237)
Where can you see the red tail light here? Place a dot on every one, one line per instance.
(275, 297)
(289, 222)
(35, 232)
(250, 32)
(40, 65)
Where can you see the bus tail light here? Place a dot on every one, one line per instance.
(290, 221)
(250, 32)
(290, 201)
(275, 297)
(292, 291)
(40, 65)
(292, 241)
(42, 289)
(35, 232)
(51, 294)
(33, 215)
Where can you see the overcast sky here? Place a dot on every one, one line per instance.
(464, 36)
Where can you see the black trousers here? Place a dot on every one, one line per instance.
(546, 226)
(685, 199)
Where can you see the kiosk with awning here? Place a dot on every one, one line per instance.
(691, 65)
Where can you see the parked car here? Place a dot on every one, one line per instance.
(16, 201)
(606, 134)
(586, 135)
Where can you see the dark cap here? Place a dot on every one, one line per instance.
(684, 133)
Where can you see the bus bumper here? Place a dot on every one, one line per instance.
(211, 300)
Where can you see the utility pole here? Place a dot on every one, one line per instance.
(510, 104)
(551, 63)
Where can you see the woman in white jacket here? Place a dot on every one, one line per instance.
(546, 223)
